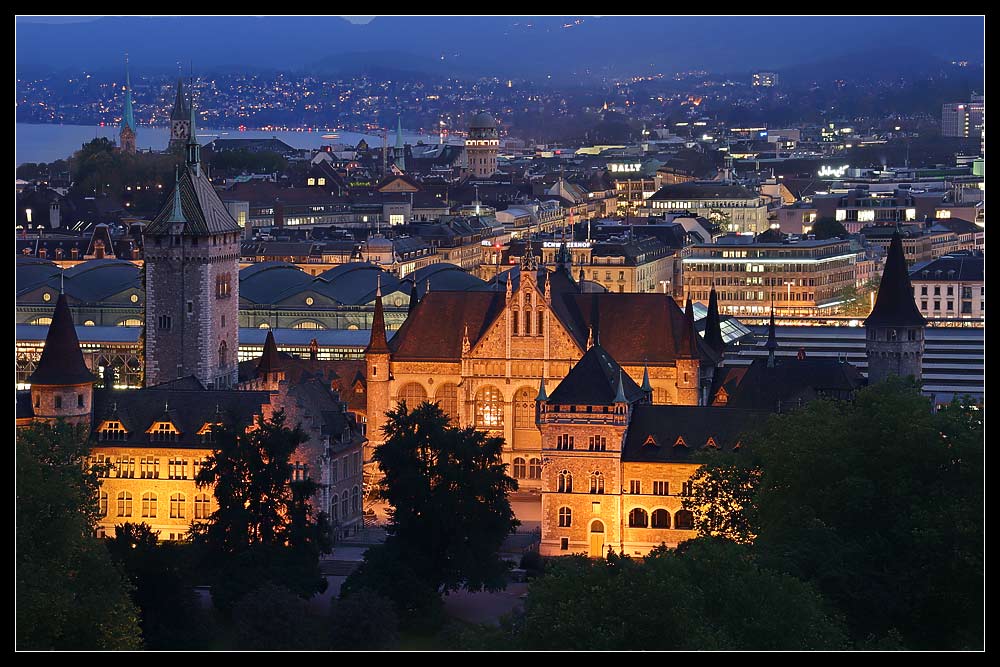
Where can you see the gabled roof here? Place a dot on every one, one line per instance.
(203, 211)
(894, 305)
(62, 361)
(596, 379)
(792, 380)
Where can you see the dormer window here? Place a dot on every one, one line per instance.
(163, 432)
(711, 443)
(680, 442)
(650, 441)
(207, 433)
(112, 430)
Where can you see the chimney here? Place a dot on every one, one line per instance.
(54, 218)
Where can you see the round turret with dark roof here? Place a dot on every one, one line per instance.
(482, 121)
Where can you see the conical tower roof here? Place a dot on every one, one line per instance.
(128, 118)
(772, 338)
(270, 360)
(180, 110)
(689, 341)
(62, 361)
(414, 298)
(894, 305)
(713, 323)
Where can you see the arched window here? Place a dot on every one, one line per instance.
(201, 506)
(149, 505)
(131, 322)
(124, 503)
(661, 519)
(222, 354)
(565, 482)
(519, 468)
(684, 520)
(413, 394)
(489, 408)
(308, 324)
(524, 408)
(355, 496)
(103, 503)
(534, 469)
(177, 502)
(565, 517)
(447, 399)
(596, 483)
(344, 508)
(638, 518)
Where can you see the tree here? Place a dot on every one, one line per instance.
(363, 621)
(272, 618)
(828, 228)
(263, 528)
(707, 594)
(448, 490)
(69, 594)
(162, 589)
(878, 502)
(722, 496)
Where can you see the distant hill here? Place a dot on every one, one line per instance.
(534, 47)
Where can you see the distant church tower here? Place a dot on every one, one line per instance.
(192, 253)
(126, 137)
(895, 328)
(180, 120)
(399, 151)
(62, 386)
(482, 145)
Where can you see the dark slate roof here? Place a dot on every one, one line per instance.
(187, 405)
(962, 267)
(62, 362)
(204, 212)
(894, 305)
(482, 121)
(792, 380)
(699, 190)
(694, 424)
(269, 360)
(435, 328)
(594, 381)
(378, 343)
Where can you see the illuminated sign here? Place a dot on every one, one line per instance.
(569, 244)
(835, 172)
(625, 168)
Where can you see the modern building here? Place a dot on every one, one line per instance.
(964, 119)
(799, 278)
(733, 207)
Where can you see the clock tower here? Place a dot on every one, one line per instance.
(180, 120)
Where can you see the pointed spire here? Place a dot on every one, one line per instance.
(590, 337)
(270, 361)
(689, 347)
(378, 343)
(646, 386)
(414, 299)
(894, 305)
(193, 147)
(180, 110)
(62, 361)
(620, 394)
(713, 323)
(542, 394)
(177, 214)
(772, 340)
(466, 346)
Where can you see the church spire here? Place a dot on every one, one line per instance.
(689, 345)
(414, 298)
(378, 343)
(400, 147)
(128, 118)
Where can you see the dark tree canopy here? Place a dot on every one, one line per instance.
(878, 503)
(828, 228)
(70, 596)
(263, 528)
(448, 491)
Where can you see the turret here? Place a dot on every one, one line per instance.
(377, 356)
(713, 324)
(270, 370)
(126, 137)
(62, 387)
(895, 328)
(688, 362)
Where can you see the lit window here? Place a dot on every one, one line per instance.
(565, 517)
(177, 503)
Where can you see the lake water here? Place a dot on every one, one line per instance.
(46, 143)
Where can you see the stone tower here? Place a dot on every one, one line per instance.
(180, 120)
(192, 251)
(688, 361)
(126, 137)
(377, 358)
(62, 386)
(482, 145)
(895, 328)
